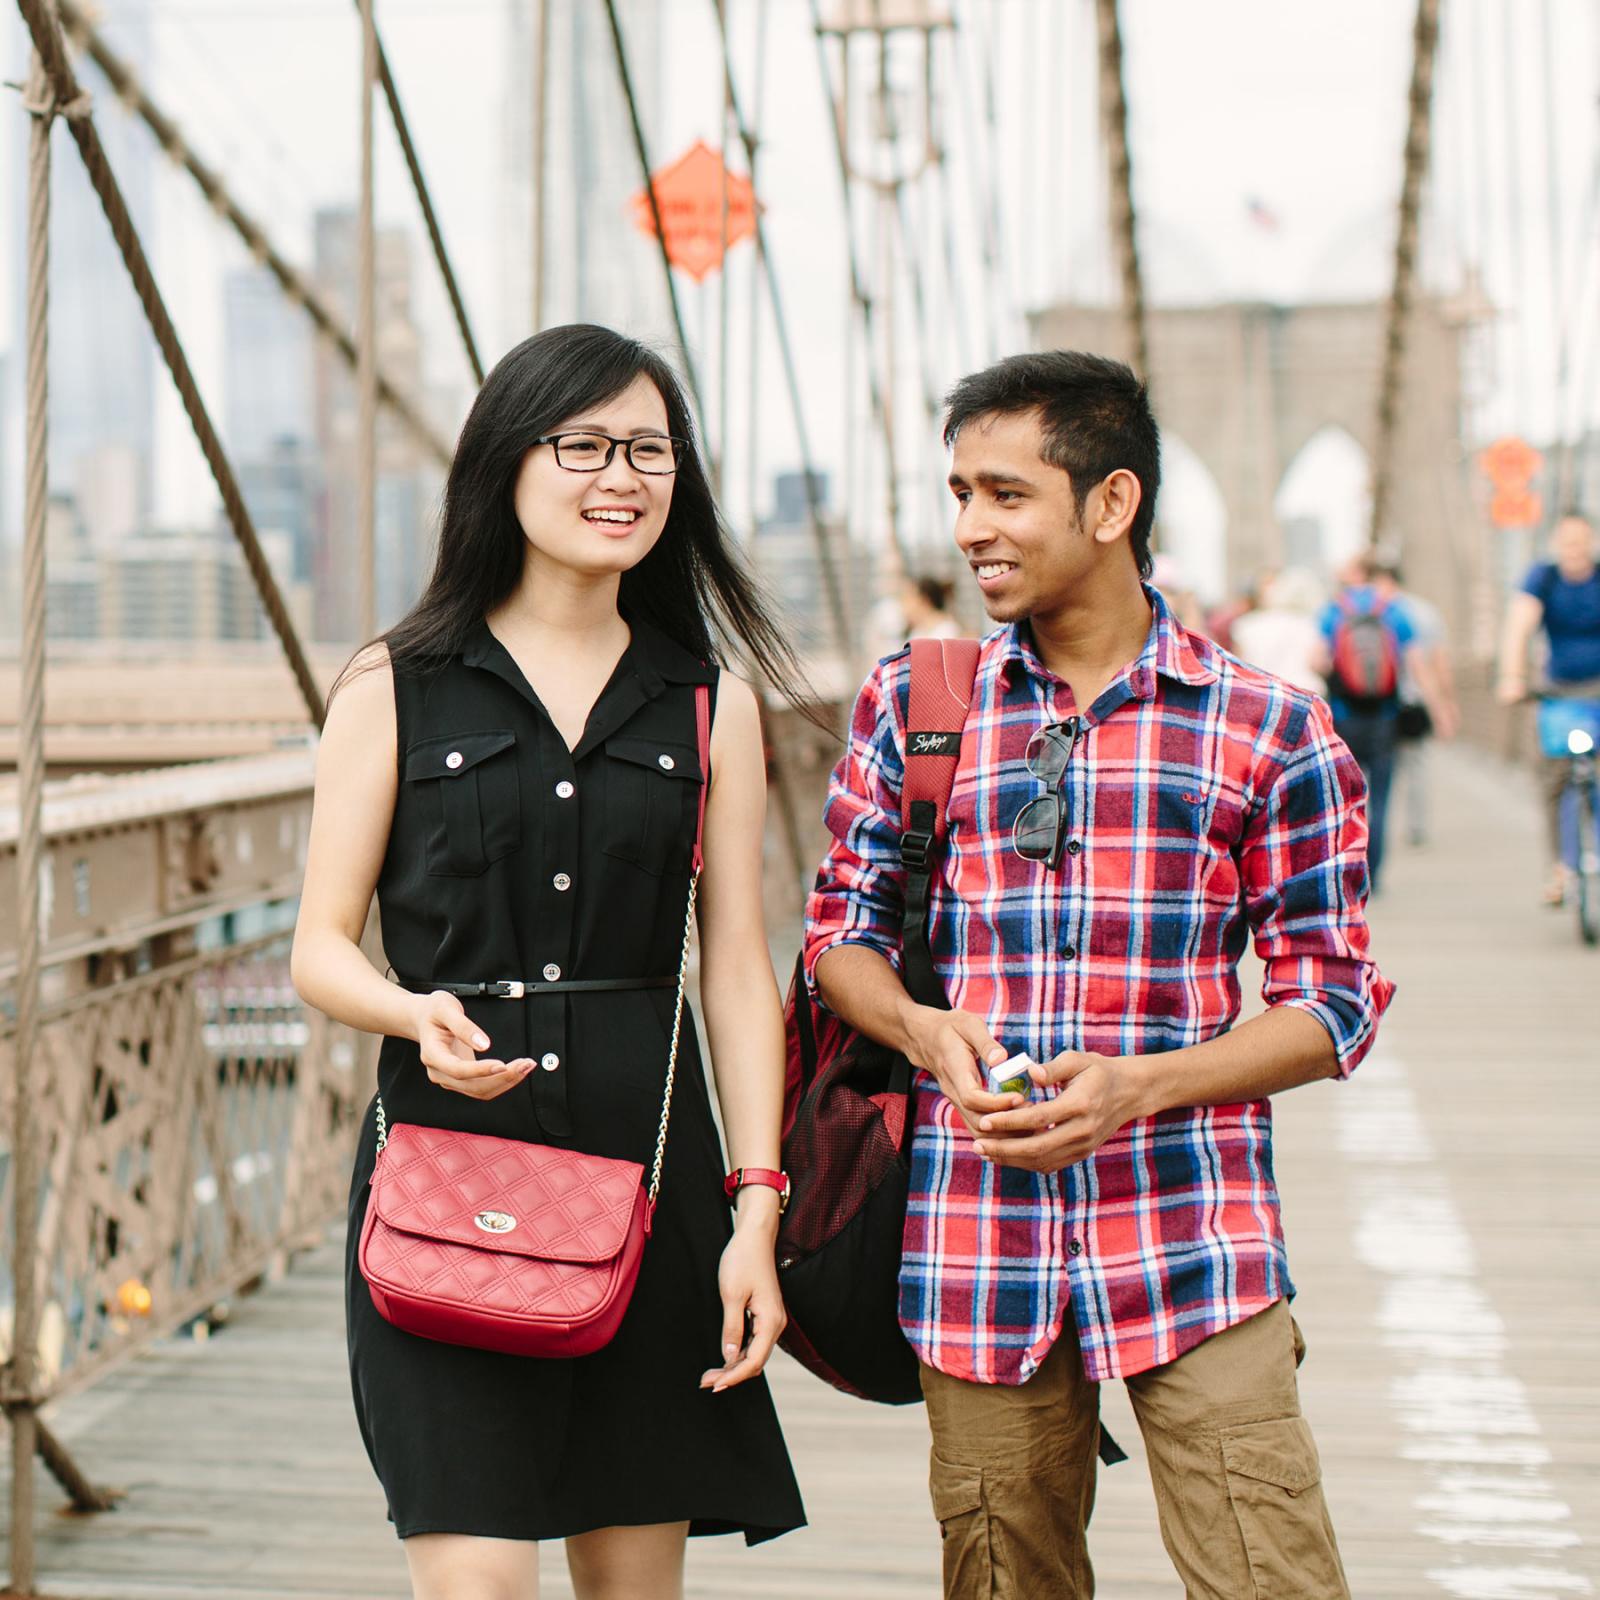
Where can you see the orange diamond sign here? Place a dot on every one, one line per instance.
(1510, 464)
(689, 195)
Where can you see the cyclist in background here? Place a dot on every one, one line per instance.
(1561, 597)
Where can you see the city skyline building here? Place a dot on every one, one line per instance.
(400, 539)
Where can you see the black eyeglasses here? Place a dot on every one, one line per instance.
(655, 454)
(1040, 830)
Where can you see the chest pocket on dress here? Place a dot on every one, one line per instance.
(466, 786)
(652, 789)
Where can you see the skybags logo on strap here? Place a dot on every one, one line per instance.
(935, 744)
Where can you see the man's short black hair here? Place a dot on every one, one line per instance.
(1096, 416)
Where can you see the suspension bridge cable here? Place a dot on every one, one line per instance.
(48, 42)
(430, 218)
(983, 209)
(294, 283)
(822, 536)
(1124, 221)
(1425, 43)
(643, 151)
(858, 289)
(1514, 230)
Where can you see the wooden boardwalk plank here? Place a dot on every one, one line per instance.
(1444, 1224)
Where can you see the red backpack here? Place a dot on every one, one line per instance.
(1366, 655)
(846, 1111)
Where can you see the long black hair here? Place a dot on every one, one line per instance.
(692, 585)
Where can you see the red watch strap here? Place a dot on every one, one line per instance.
(740, 1176)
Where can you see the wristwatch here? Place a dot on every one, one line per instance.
(765, 1176)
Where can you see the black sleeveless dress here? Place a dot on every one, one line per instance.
(511, 857)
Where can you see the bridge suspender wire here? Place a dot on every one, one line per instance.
(821, 534)
(20, 1380)
(294, 284)
(1516, 244)
(1425, 43)
(48, 42)
(882, 416)
(783, 789)
(1124, 230)
(643, 151)
(430, 218)
(367, 342)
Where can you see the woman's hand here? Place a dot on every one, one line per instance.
(449, 1038)
(748, 1282)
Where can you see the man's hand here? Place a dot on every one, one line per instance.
(1095, 1096)
(956, 1046)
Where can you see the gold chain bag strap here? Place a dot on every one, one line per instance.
(505, 1245)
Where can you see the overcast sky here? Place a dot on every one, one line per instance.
(1266, 143)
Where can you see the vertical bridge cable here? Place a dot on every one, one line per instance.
(1425, 37)
(367, 344)
(643, 151)
(864, 302)
(822, 535)
(21, 1401)
(22, 1395)
(1114, 122)
(430, 220)
(48, 42)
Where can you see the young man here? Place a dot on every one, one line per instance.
(1130, 802)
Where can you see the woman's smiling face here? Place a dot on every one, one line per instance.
(598, 523)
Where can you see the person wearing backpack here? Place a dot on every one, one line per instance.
(1371, 650)
(1130, 803)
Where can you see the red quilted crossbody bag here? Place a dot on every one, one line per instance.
(510, 1246)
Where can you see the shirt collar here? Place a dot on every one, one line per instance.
(655, 657)
(1170, 651)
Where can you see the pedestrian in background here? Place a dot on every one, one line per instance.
(1416, 726)
(926, 604)
(1368, 642)
(1281, 635)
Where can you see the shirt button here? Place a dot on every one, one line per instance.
(550, 1061)
(564, 790)
(1075, 1248)
(453, 760)
(1073, 847)
(1069, 952)
(552, 973)
(666, 763)
(562, 882)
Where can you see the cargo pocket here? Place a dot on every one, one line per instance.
(1275, 1486)
(471, 802)
(964, 1533)
(651, 799)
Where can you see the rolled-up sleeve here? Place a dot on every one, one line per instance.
(859, 894)
(1303, 862)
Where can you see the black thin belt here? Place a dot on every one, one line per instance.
(519, 988)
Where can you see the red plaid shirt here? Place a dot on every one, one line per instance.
(1208, 802)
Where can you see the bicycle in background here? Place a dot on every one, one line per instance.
(1569, 730)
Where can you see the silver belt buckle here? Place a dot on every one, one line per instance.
(510, 988)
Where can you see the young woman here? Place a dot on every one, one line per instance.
(514, 769)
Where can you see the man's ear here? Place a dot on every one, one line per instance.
(1113, 504)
